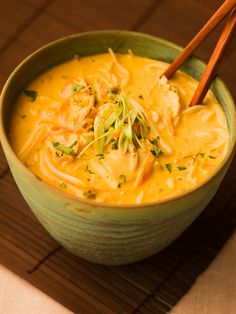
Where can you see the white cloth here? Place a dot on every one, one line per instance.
(215, 290)
(17, 296)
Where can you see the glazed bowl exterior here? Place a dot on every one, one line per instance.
(103, 233)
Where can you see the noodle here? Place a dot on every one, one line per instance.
(115, 130)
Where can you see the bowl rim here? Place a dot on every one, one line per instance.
(6, 143)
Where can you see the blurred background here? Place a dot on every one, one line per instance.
(150, 286)
(28, 24)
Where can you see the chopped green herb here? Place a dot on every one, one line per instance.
(100, 156)
(155, 141)
(140, 97)
(63, 185)
(88, 170)
(156, 151)
(119, 128)
(76, 88)
(161, 167)
(212, 157)
(114, 90)
(32, 94)
(122, 178)
(68, 150)
(114, 101)
(201, 155)
(181, 168)
(59, 154)
(169, 167)
(89, 195)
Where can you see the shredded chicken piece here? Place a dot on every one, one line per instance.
(155, 116)
(170, 182)
(139, 197)
(67, 91)
(171, 103)
(193, 109)
(145, 170)
(121, 72)
(103, 169)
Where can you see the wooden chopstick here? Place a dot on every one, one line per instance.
(217, 17)
(215, 59)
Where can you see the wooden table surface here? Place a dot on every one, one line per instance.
(150, 286)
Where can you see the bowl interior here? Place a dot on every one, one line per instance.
(98, 42)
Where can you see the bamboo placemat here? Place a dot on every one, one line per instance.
(157, 283)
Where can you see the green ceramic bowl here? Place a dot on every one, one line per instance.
(102, 233)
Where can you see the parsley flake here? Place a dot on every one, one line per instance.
(122, 178)
(100, 156)
(89, 195)
(63, 185)
(88, 170)
(32, 94)
(68, 150)
(114, 90)
(169, 167)
(156, 151)
(76, 88)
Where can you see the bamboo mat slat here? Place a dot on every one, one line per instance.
(66, 18)
(31, 38)
(13, 15)
(101, 14)
(153, 305)
(65, 261)
(157, 283)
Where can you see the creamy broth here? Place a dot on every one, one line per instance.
(110, 128)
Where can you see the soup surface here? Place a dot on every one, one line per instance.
(110, 128)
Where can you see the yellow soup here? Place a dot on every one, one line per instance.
(111, 128)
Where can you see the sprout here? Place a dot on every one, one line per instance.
(99, 131)
(123, 123)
